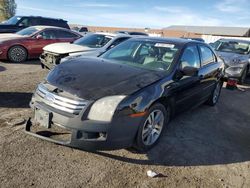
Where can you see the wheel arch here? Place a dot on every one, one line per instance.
(166, 102)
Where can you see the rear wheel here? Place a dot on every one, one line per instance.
(151, 127)
(17, 54)
(214, 97)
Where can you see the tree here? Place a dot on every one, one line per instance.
(7, 9)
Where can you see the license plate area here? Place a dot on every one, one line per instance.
(43, 117)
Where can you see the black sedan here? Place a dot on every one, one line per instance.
(126, 97)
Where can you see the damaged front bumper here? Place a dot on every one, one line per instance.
(50, 60)
(234, 72)
(77, 132)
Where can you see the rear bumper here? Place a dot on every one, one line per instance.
(89, 134)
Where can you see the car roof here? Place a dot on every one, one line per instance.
(42, 17)
(41, 27)
(235, 40)
(111, 34)
(179, 41)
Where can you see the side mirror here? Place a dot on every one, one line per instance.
(39, 37)
(189, 71)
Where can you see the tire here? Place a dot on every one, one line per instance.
(149, 134)
(243, 76)
(214, 97)
(17, 54)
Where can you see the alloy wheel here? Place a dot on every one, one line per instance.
(216, 93)
(152, 127)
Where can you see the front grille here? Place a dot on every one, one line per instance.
(59, 102)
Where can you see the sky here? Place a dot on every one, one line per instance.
(142, 13)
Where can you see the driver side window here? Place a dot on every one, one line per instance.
(190, 57)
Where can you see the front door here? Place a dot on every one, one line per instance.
(187, 92)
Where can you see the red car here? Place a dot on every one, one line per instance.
(28, 43)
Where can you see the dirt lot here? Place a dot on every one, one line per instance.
(205, 147)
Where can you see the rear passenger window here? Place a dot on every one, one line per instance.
(190, 57)
(65, 34)
(49, 34)
(207, 55)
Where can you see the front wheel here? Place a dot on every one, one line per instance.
(151, 127)
(17, 54)
(214, 97)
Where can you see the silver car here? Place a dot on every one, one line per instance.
(93, 44)
(236, 55)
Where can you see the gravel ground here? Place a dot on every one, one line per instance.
(204, 147)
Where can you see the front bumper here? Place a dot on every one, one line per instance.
(50, 60)
(234, 72)
(86, 134)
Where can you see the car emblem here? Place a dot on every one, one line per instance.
(49, 97)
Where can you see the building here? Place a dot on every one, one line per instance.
(213, 33)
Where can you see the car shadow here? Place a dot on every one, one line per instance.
(202, 136)
(2, 69)
(28, 62)
(15, 100)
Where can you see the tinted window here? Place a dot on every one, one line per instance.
(25, 22)
(190, 57)
(207, 55)
(49, 34)
(65, 34)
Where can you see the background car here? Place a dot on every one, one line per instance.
(127, 96)
(132, 33)
(82, 30)
(236, 55)
(29, 42)
(18, 23)
(198, 39)
(92, 44)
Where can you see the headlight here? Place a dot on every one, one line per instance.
(104, 108)
(234, 70)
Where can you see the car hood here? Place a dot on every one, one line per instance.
(232, 59)
(9, 36)
(65, 48)
(94, 78)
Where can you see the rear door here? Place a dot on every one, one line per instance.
(66, 36)
(188, 88)
(209, 70)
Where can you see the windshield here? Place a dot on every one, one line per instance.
(234, 47)
(144, 54)
(93, 40)
(27, 31)
(13, 20)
